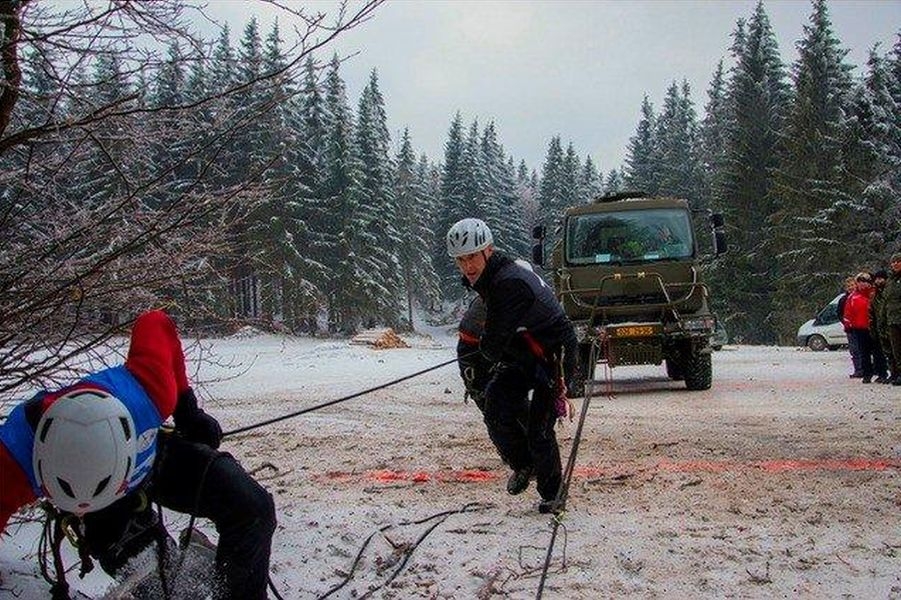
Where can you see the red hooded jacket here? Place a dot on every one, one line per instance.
(857, 310)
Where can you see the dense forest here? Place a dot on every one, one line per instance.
(235, 180)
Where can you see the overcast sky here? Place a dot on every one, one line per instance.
(577, 69)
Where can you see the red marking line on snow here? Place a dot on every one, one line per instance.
(688, 466)
(391, 476)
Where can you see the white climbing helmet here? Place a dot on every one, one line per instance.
(85, 450)
(468, 236)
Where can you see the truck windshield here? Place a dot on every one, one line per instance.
(629, 236)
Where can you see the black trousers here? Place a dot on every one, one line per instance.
(894, 336)
(523, 431)
(195, 479)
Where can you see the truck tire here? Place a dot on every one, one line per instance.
(584, 373)
(698, 372)
(674, 369)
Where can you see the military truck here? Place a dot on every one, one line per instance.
(627, 271)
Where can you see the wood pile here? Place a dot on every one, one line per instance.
(380, 339)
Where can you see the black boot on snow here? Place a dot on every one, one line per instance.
(546, 507)
(519, 481)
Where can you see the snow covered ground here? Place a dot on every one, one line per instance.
(780, 481)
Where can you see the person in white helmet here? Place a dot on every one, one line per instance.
(95, 450)
(530, 344)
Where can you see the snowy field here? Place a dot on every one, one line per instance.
(780, 481)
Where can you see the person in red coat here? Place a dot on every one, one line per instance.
(856, 320)
(95, 450)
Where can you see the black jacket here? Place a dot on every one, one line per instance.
(521, 307)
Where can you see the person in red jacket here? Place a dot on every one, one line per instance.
(856, 320)
(95, 450)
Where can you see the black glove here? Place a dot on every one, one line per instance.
(194, 424)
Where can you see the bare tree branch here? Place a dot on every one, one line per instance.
(110, 204)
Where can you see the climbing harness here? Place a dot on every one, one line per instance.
(59, 526)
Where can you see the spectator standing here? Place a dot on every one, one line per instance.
(857, 323)
(882, 348)
(850, 286)
(893, 315)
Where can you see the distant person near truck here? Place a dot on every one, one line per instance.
(882, 348)
(893, 315)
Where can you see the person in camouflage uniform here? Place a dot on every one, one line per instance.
(882, 346)
(892, 309)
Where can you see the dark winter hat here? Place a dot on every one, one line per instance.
(880, 274)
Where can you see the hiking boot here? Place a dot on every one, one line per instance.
(519, 481)
(896, 380)
(855, 375)
(555, 506)
(867, 379)
(881, 379)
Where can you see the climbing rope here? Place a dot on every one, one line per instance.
(408, 551)
(563, 492)
(338, 400)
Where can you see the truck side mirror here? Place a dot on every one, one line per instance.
(538, 232)
(538, 254)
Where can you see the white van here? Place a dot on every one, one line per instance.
(824, 331)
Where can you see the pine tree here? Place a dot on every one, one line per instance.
(810, 178)
(168, 129)
(861, 224)
(713, 136)
(675, 151)
(414, 222)
(311, 141)
(377, 214)
(894, 81)
(452, 206)
(550, 190)
(289, 275)
(590, 182)
(615, 181)
(570, 184)
(223, 72)
(111, 163)
(527, 194)
(503, 210)
(40, 96)
(474, 177)
(757, 96)
(641, 168)
(341, 193)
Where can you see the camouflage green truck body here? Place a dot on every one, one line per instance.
(628, 274)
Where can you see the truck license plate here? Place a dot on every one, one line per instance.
(634, 331)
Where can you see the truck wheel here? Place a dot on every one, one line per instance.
(674, 369)
(698, 372)
(585, 371)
